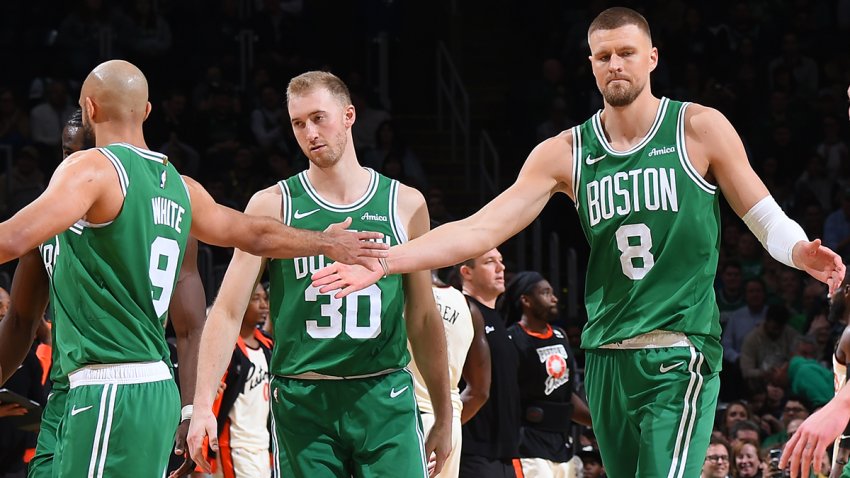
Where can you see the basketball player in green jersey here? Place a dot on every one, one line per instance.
(644, 173)
(343, 402)
(821, 428)
(113, 226)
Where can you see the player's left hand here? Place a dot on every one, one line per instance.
(180, 449)
(819, 262)
(813, 437)
(438, 442)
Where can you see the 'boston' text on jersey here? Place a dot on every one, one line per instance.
(624, 192)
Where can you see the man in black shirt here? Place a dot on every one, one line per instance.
(491, 437)
(548, 401)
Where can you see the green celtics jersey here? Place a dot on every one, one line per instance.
(653, 224)
(363, 333)
(111, 283)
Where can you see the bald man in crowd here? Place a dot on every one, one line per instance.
(112, 229)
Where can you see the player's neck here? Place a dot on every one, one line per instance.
(247, 335)
(343, 183)
(109, 134)
(625, 126)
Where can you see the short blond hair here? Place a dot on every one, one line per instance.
(616, 17)
(311, 80)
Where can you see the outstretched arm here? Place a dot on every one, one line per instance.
(263, 236)
(815, 434)
(29, 295)
(426, 334)
(546, 171)
(476, 369)
(187, 313)
(714, 147)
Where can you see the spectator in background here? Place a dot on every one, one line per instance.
(746, 430)
(833, 147)
(14, 121)
(47, 120)
(739, 324)
(222, 128)
(369, 119)
(389, 145)
(144, 33)
(836, 228)
(172, 116)
(750, 256)
(269, 121)
(748, 463)
(768, 345)
(736, 411)
(795, 409)
(815, 183)
(23, 183)
(556, 121)
(592, 463)
(730, 293)
(804, 376)
(185, 158)
(717, 459)
(803, 70)
(242, 408)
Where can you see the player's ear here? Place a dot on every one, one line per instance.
(147, 109)
(349, 115)
(653, 58)
(524, 301)
(90, 109)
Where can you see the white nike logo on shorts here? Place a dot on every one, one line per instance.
(75, 410)
(664, 369)
(300, 215)
(394, 394)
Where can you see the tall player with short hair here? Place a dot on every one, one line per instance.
(112, 228)
(342, 400)
(644, 173)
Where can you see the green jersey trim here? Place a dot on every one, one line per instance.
(311, 191)
(600, 134)
(286, 203)
(395, 222)
(146, 153)
(683, 155)
(123, 180)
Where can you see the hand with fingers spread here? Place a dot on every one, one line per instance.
(353, 247)
(188, 465)
(203, 425)
(347, 278)
(820, 262)
(814, 436)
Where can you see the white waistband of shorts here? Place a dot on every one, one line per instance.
(120, 373)
(652, 340)
(321, 376)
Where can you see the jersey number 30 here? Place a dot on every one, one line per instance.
(332, 311)
(634, 241)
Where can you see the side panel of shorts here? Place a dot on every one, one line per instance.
(41, 465)
(653, 410)
(340, 428)
(452, 466)
(242, 463)
(540, 468)
(118, 430)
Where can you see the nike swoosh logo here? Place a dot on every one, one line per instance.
(590, 160)
(394, 393)
(75, 410)
(668, 368)
(299, 214)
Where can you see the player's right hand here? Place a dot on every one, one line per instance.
(347, 279)
(353, 247)
(203, 425)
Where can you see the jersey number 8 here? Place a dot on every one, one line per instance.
(638, 249)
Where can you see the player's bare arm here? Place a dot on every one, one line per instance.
(187, 312)
(29, 296)
(581, 413)
(425, 331)
(546, 172)
(263, 236)
(85, 185)
(221, 332)
(715, 149)
(476, 369)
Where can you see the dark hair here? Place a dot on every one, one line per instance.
(616, 17)
(521, 284)
(744, 425)
(76, 119)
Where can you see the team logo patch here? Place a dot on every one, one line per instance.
(554, 358)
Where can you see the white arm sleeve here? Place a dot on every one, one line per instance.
(777, 232)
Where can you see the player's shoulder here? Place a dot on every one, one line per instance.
(265, 202)
(409, 197)
(84, 161)
(700, 118)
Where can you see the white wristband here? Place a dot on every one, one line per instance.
(777, 232)
(186, 413)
